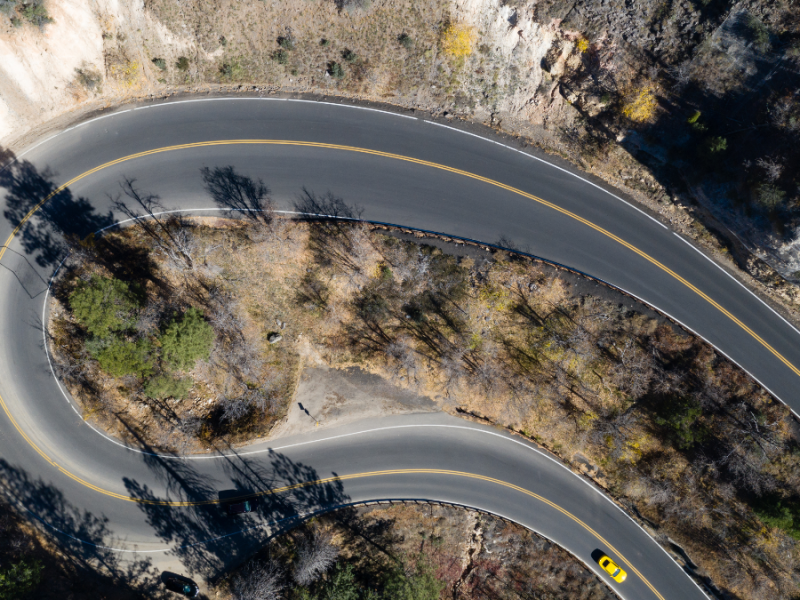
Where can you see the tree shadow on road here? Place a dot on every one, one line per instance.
(51, 216)
(89, 566)
(202, 535)
(238, 193)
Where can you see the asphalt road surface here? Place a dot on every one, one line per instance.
(100, 495)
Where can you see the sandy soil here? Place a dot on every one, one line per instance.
(504, 87)
(333, 397)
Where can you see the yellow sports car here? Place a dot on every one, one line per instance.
(610, 567)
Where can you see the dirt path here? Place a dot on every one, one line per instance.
(334, 397)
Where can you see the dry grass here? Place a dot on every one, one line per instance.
(663, 421)
(476, 556)
(370, 34)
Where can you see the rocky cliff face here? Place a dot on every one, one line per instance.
(724, 128)
(688, 105)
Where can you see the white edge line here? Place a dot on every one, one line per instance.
(18, 156)
(302, 515)
(386, 112)
(716, 349)
(602, 189)
(66, 396)
(270, 449)
(101, 117)
(305, 515)
(447, 127)
(709, 259)
(507, 438)
(646, 303)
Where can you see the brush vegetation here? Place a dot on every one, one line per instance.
(666, 424)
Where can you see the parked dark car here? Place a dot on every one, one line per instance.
(245, 506)
(182, 585)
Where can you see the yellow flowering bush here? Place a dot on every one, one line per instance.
(582, 45)
(127, 72)
(457, 40)
(641, 106)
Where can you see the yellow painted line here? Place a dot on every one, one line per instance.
(386, 473)
(408, 159)
(426, 163)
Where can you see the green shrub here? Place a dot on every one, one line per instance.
(120, 358)
(8, 7)
(232, 70)
(34, 12)
(182, 64)
(286, 43)
(160, 63)
(335, 70)
(104, 305)
(280, 56)
(406, 41)
(758, 33)
(350, 56)
(371, 306)
(342, 585)
(89, 78)
(679, 417)
(164, 386)
(20, 578)
(694, 117)
(777, 512)
(717, 145)
(324, 42)
(186, 341)
(770, 196)
(421, 584)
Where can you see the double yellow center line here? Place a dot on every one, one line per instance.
(425, 163)
(416, 161)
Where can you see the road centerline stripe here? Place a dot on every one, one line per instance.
(412, 160)
(430, 164)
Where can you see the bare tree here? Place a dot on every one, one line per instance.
(235, 408)
(681, 74)
(405, 357)
(314, 557)
(148, 318)
(224, 313)
(183, 247)
(407, 268)
(259, 581)
(169, 233)
(327, 206)
(634, 371)
(772, 168)
(239, 193)
(783, 114)
(452, 368)
(339, 238)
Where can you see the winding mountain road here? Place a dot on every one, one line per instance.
(110, 501)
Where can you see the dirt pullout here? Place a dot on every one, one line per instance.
(334, 397)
